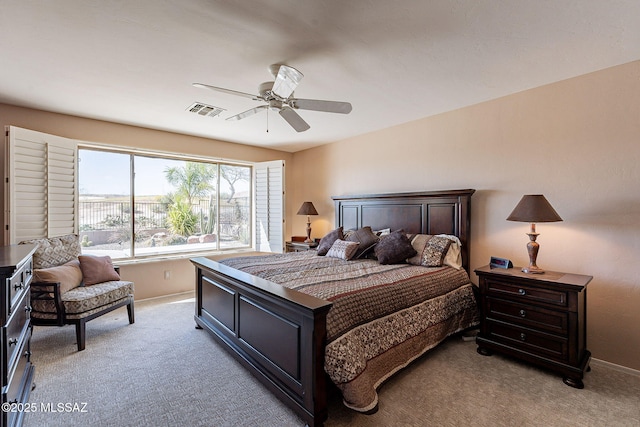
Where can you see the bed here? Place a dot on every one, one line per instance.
(291, 318)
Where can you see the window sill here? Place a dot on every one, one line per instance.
(176, 257)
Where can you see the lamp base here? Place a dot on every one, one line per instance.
(308, 240)
(532, 249)
(533, 269)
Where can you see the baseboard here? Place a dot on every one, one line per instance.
(615, 367)
(165, 296)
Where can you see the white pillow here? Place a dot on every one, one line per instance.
(453, 258)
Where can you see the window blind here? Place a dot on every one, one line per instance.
(40, 185)
(269, 206)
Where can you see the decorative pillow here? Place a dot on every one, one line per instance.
(343, 249)
(366, 239)
(68, 275)
(327, 241)
(97, 269)
(453, 258)
(430, 250)
(394, 248)
(55, 251)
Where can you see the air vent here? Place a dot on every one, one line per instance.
(205, 110)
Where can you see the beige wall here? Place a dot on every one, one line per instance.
(576, 141)
(148, 276)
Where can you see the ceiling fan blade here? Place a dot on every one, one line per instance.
(286, 82)
(294, 119)
(318, 105)
(229, 91)
(248, 113)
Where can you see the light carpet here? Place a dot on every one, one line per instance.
(161, 371)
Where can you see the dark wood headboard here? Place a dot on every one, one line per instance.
(428, 212)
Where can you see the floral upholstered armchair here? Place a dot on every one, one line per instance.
(70, 289)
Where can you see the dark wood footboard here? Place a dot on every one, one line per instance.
(277, 333)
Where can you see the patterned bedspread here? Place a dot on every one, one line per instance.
(383, 316)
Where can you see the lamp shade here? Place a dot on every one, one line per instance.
(534, 208)
(307, 208)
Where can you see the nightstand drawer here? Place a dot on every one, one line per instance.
(524, 293)
(528, 315)
(525, 339)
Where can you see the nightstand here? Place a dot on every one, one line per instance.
(538, 318)
(300, 246)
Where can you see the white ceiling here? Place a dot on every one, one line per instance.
(133, 62)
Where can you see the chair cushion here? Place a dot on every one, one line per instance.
(85, 299)
(55, 251)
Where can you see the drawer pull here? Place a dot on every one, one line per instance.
(18, 286)
(28, 308)
(523, 337)
(522, 291)
(523, 313)
(13, 341)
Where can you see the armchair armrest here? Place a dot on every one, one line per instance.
(49, 292)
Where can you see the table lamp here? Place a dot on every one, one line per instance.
(533, 208)
(307, 209)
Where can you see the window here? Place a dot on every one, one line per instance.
(128, 204)
(174, 205)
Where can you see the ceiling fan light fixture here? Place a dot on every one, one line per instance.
(287, 80)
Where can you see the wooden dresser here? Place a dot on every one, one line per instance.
(17, 372)
(538, 318)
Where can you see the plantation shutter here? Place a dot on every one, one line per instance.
(269, 206)
(40, 185)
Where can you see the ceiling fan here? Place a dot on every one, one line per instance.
(279, 97)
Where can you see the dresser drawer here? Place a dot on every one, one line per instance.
(17, 284)
(19, 386)
(531, 316)
(14, 380)
(16, 332)
(525, 339)
(525, 293)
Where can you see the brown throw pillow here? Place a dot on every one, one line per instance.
(68, 275)
(327, 241)
(97, 269)
(366, 238)
(394, 248)
(343, 249)
(431, 250)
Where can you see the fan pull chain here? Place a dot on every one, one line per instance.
(267, 120)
